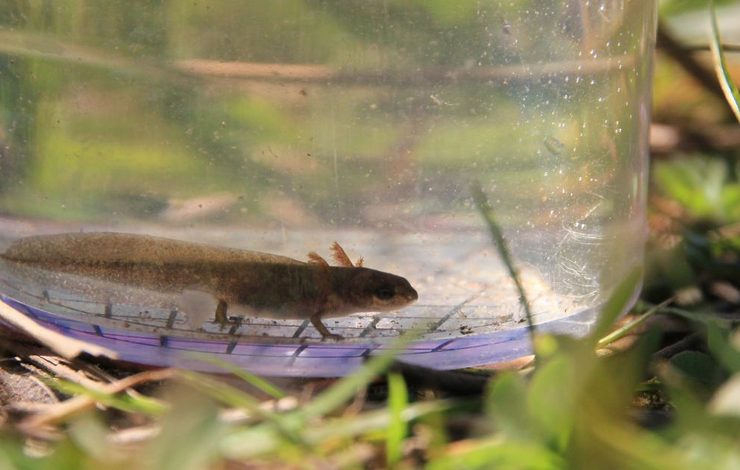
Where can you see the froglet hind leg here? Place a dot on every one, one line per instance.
(221, 318)
(199, 307)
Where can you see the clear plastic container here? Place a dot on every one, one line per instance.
(283, 126)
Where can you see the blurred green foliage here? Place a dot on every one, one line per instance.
(707, 187)
(675, 7)
(703, 248)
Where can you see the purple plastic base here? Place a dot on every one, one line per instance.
(301, 360)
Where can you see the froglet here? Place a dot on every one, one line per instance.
(209, 280)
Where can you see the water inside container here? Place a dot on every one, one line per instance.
(282, 127)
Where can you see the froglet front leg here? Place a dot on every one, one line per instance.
(325, 333)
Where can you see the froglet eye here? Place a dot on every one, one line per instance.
(385, 293)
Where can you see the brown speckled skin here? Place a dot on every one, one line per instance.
(269, 285)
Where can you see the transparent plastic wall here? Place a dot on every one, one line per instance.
(283, 126)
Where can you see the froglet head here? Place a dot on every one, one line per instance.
(371, 290)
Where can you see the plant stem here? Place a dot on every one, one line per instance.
(486, 211)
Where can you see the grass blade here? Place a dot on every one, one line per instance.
(188, 439)
(720, 65)
(348, 386)
(626, 329)
(484, 207)
(617, 304)
(398, 399)
(257, 382)
(139, 404)
(222, 392)
(259, 440)
(285, 426)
